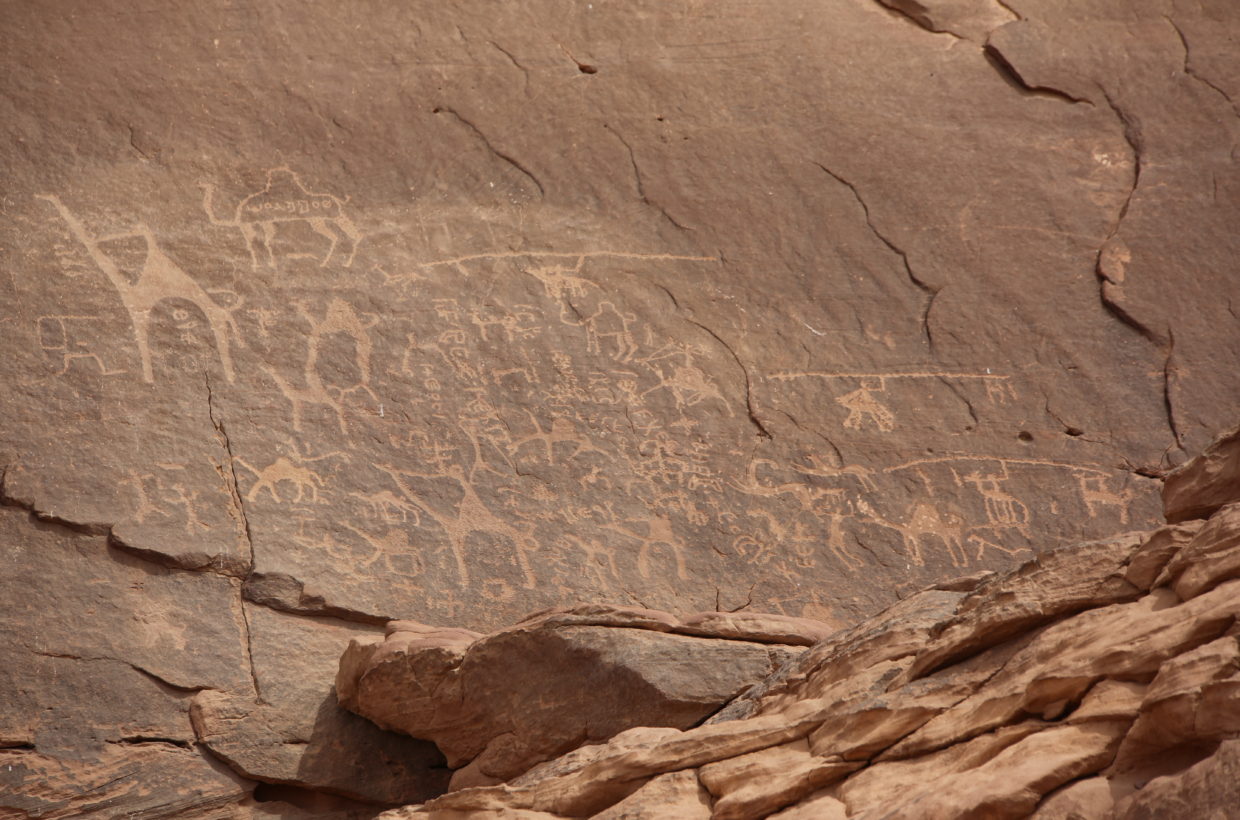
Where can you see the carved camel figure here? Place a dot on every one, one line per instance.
(285, 199)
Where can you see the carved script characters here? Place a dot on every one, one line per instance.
(286, 200)
(60, 338)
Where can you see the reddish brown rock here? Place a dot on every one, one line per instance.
(1161, 546)
(1211, 480)
(150, 779)
(1081, 800)
(1087, 704)
(671, 796)
(498, 704)
(1062, 582)
(297, 734)
(446, 313)
(1208, 788)
(1211, 557)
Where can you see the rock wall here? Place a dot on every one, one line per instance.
(320, 315)
(1096, 681)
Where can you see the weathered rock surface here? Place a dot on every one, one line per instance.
(1060, 689)
(128, 686)
(498, 704)
(1208, 482)
(452, 311)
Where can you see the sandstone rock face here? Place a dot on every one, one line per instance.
(447, 312)
(497, 705)
(1060, 689)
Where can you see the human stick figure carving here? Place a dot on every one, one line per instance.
(285, 200)
(160, 279)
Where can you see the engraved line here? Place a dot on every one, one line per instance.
(564, 255)
(823, 374)
(1005, 460)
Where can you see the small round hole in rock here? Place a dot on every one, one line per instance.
(1025, 435)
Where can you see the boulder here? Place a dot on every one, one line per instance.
(498, 704)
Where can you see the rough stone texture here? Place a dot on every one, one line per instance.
(1211, 480)
(148, 780)
(452, 311)
(1059, 689)
(111, 662)
(299, 734)
(498, 704)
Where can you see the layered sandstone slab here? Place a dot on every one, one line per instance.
(315, 316)
(498, 704)
(1098, 681)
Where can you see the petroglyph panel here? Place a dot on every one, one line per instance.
(526, 427)
(371, 310)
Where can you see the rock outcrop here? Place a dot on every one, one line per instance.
(316, 316)
(497, 705)
(1100, 681)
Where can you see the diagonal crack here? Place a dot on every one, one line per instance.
(1009, 72)
(918, 14)
(508, 158)
(162, 681)
(1003, 5)
(525, 72)
(1192, 72)
(221, 432)
(234, 485)
(931, 292)
(79, 527)
(640, 185)
(753, 418)
(1107, 280)
(960, 394)
(1169, 373)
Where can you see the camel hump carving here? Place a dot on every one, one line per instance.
(159, 279)
(285, 199)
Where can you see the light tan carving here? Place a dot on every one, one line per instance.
(1096, 495)
(921, 520)
(145, 508)
(1003, 510)
(469, 516)
(313, 392)
(599, 560)
(562, 431)
(863, 406)
(306, 482)
(150, 488)
(688, 384)
(391, 508)
(609, 332)
(522, 322)
(159, 279)
(285, 200)
(339, 317)
(59, 337)
(658, 534)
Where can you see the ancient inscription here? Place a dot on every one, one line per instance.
(285, 200)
